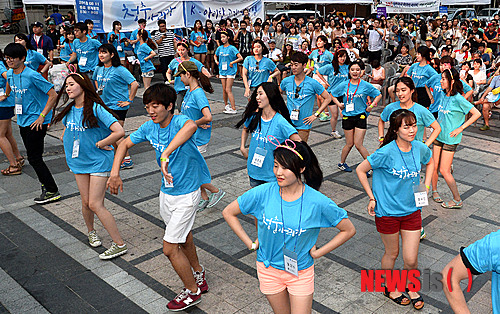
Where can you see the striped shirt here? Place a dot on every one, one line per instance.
(166, 47)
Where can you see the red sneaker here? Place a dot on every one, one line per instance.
(184, 300)
(201, 281)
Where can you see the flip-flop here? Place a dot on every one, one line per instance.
(398, 300)
(455, 204)
(414, 301)
(436, 199)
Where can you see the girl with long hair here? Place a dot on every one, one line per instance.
(452, 111)
(355, 110)
(396, 199)
(67, 44)
(257, 68)
(227, 58)
(286, 250)
(34, 58)
(116, 86)
(198, 39)
(420, 72)
(118, 40)
(337, 72)
(287, 59)
(211, 46)
(265, 114)
(318, 58)
(90, 128)
(8, 143)
(145, 53)
(195, 105)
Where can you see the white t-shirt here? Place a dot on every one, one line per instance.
(275, 54)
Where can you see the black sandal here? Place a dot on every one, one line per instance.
(414, 301)
(398, 300)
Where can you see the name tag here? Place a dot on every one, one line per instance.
(349, 107)
(131, 59)
(290, 259)
(76, 149)
(119, 48)
(2, 91)
(19, 104)
(420, 193)
(258, 157)
(294, 115)
(82, 62)
(39, 51)
(224, 66)
(166, 184)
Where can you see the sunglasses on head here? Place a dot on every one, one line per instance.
(297, 90)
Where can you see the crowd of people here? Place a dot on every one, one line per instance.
(294, 72)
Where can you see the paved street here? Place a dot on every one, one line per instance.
(46, 264)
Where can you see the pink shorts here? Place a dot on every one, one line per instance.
(274, 280)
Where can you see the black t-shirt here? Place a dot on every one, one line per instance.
(54, 36)
(359, 31)
(227, 30)
(478, 33)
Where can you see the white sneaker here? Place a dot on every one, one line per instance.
(335, 135)
(230, 111)
(227, 107)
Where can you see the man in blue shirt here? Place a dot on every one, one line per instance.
(42, 43)
(86, 50)
(56, 16)
(34, 100)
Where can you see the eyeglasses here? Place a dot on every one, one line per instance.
(297, 90)
(9, 59)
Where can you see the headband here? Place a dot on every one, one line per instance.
(71, 70)
(287, 144)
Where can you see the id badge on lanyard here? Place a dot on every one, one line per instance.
(39, 50)
(258, 157)
(290, 259)
(420, 193)
(2, 91)
(19, 104)
(294, 115)
(349, 107)
(119, 48)
(82, 62)
(224, 66)
(166, 184)
(76, 148)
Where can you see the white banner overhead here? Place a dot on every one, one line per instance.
(411, 6)
(465, 2)
(367, 2)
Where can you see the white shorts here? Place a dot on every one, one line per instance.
(492, 98)
(227, 76)
(203, 148)
(100, 174)
(148, 74)
(178, 213)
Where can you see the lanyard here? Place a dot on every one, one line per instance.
(414, 163)
(70, 48)
(75, 122)
(105, 75)
(188, 96)
(300, 218)
(41, 40)
(267, 132)
(20, 88)
(348, 87)
(295, 91)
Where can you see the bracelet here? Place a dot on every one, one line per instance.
(427, 186)
(42, 115)
(372, 199)
(371, 106)
(164, 159)
(381, 139)
(254, 246)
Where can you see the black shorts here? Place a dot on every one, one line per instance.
(351, 122)
(422, 97)
(435, 114)
(122, 114)
(6, 113)
(467, 263)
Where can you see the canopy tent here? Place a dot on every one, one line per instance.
(465, 2)
(367, 2)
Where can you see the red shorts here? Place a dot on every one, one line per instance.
(391, 225)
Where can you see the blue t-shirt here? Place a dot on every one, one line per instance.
(434, 85)
(57, 17)
(264, 203)
(92, 34)
(452, 111)
(90, 158)
(32, 88)
(144, 51)
(117, 43)
(277, 127)
(257, 76)
(34, 59)
(394, 174)
(9, 102)
(188, 168)
(66, 51)
(194, 37)
(133, 36)
(420, 75)
(358, 92)
(424, 117)
(87, 54)
(484, 256)
(192, 105)
(226, 55)
(174, 65)
(320, 60)
(334, 79)
(114, 82)
(309, 88)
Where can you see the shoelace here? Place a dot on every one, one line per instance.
(93, 237)
(181, 295)
(198, 276)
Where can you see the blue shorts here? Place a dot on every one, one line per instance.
(6, 113)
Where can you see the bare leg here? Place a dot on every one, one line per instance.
(436, 154)
(334, 113)
(486, 113)
(181, 264)
(224, 90)
(301, 304)
(410, 242)
(229, 92)
(359, 136)
(280, 302)
(189, 250)
(147, 82)
(391, 245)
(455, 297)
(445, 170)
(349, 143)
(5, 144)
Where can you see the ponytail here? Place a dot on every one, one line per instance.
(313, 176)
(151, 43)
(204, 81)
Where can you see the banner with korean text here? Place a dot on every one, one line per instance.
(175, 13)
(411, 6)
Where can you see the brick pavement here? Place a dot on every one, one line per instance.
(46, 264)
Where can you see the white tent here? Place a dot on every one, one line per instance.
(41, 2)
(465, 2)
